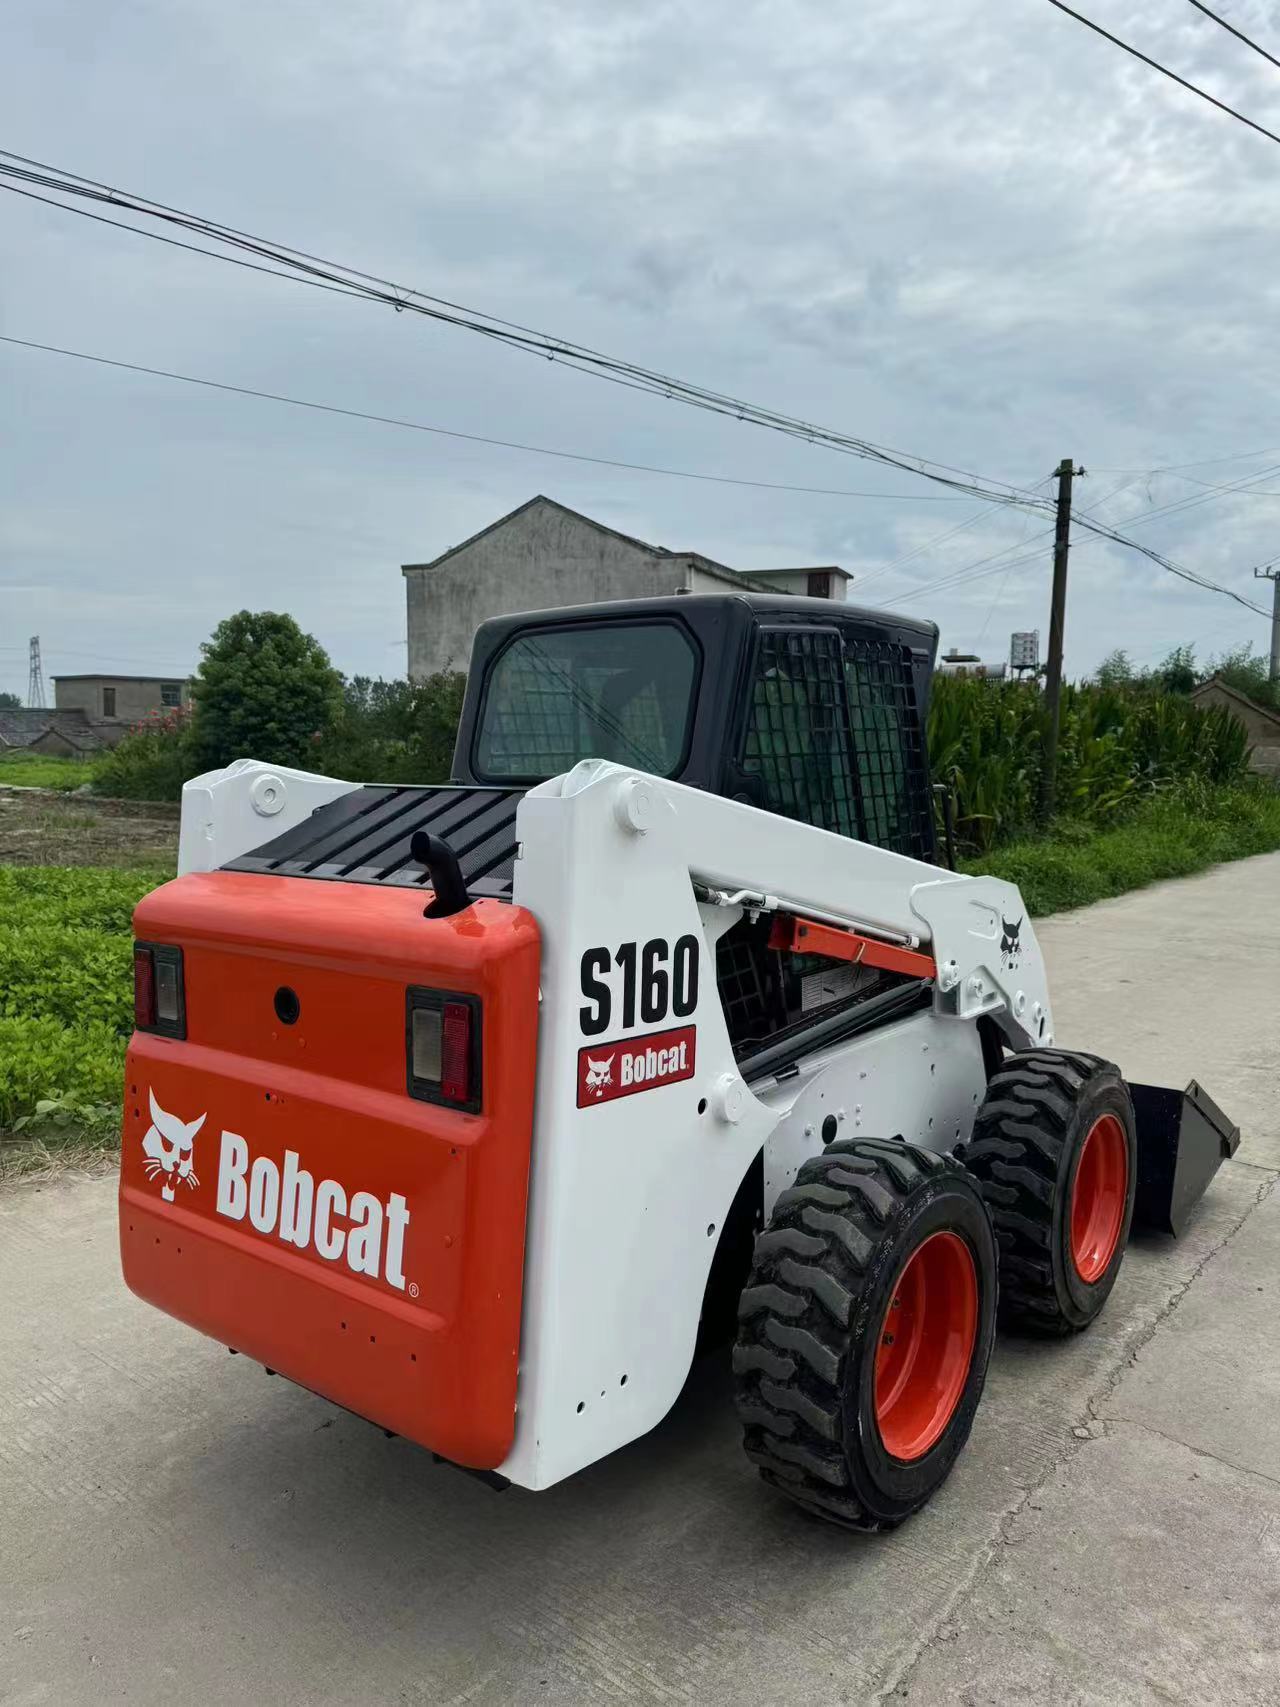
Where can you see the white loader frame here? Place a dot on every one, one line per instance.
(628, 1196)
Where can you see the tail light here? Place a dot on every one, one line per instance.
(442, 1036)
(159, 989)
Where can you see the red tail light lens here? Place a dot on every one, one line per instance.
(455, 1052)
(159, 989)
(442, 1037)
(144, 989)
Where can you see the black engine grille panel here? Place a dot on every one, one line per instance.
(364, 837)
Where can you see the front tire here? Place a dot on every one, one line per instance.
(865, 1329)
(1054, 1149)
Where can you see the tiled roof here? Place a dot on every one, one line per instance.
(25, 725)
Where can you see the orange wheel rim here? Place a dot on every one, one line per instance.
(926, 1345)
(1098, 1197)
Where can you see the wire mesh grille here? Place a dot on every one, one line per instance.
(835, 737)
(798, 732)
(889, 752)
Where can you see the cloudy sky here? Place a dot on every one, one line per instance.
(973, 230)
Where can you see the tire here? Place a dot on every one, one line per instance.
(1054, 1150)
(872, 1231)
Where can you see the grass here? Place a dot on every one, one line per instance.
(41, 770)
(66, 1009)
(65, 943)
(1170, 835)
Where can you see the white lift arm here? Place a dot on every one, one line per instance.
(976, 928)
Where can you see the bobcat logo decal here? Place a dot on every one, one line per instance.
(1010, 944)
(599, 1074)
(169, 1148)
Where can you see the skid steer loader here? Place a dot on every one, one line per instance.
(473, 1107)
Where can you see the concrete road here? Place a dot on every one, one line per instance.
(174, 1525)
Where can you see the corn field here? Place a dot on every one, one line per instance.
(1116, 747)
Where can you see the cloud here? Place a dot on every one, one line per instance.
(976, 232)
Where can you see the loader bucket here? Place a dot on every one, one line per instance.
(1182, 1138)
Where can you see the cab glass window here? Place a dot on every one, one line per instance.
(621, 692)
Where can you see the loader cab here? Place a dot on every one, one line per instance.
(805, 707)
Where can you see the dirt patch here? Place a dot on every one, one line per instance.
(44, 827)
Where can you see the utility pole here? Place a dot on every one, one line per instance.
(35, 676)
(1057, 622)
(1273, 575)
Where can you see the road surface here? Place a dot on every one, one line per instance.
(174, 1525)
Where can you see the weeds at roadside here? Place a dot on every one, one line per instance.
(1170, 835)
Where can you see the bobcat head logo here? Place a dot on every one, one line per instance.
(599, 1074)
(1010, 945)
(169, 1148)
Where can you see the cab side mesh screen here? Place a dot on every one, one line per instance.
(835, 737)
(894, 804)
(798, 731)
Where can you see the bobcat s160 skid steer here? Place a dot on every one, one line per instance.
(474, 1107)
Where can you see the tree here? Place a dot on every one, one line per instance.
(434, 714)
(10, 702)
(264, 690)
(1178, 673)
(1115, 670)
(1246, 671)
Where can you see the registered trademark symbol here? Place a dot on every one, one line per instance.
(413, 1289)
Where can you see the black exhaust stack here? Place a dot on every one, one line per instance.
(1183, 1137)
(445, 873)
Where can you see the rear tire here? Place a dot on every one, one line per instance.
(864, 1331)
(1054, 1150)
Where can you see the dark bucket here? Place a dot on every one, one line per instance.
(1183, 1136)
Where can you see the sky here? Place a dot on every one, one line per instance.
(975, 232)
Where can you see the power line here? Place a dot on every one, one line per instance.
(947, 576)
(1235, 487)
(473, 438)
(308, 269)
(1246, 486)
(1165, 71)
(1238, 34)
(924, 547)
(1205, 462)
(958, 576)
(939, 584)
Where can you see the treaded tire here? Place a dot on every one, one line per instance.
(825, 1275)
(1025, 1153)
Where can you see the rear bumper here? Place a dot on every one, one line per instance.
(380, 1357)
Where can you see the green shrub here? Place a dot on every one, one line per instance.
(394, 731)
(97, 897)
(43, 1060)
(385, 731)
(152, 761)
(66, 997)
(65, 972)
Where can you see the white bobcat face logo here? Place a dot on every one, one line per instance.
(599, 1074)
(169, 1148)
